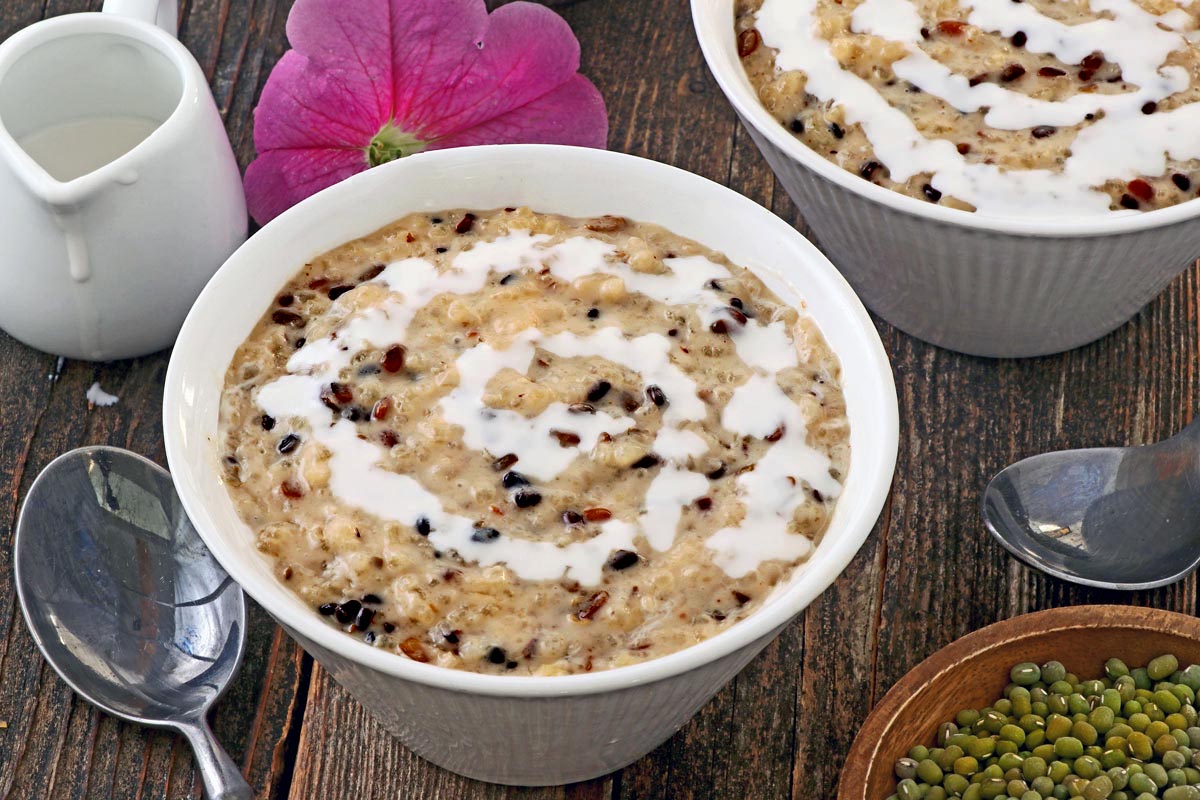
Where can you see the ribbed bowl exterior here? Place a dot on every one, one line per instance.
(544, 741)
(979, 291)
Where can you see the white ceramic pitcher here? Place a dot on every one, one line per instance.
(119, 192)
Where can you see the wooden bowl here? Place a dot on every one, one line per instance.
(973, 671)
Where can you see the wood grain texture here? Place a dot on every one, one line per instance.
(928, 574)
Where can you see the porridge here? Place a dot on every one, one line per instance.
(1001, 106)
(521, 443)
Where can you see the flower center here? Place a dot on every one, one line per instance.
(392, 143)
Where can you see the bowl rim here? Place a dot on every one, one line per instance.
(855, 528)
(863, 752)
(717, 42)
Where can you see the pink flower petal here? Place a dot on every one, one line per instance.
(571, 114)
(520, 53)
(452, 65)
(279, 179)
(443, 71)
(303, 105)
(351, 40)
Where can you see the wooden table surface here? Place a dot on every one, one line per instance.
(928, 574)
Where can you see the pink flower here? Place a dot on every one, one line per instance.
(370, 81)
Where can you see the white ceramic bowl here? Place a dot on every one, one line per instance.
(526, 730)
(978, 284)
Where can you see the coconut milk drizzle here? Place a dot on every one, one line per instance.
(1121, 145)
(770, 493)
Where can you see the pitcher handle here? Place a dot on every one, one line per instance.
(164, 13)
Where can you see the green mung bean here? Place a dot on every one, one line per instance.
(1131, 734)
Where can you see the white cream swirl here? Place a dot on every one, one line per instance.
(770, 493)
(1122, 143)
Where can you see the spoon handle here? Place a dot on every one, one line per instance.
(222, 778)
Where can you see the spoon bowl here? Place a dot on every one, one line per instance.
(1115, 518)
(126, 603)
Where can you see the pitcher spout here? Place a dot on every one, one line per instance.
(61, 199)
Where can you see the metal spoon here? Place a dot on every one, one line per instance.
(1116, 518)
(125, 601)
